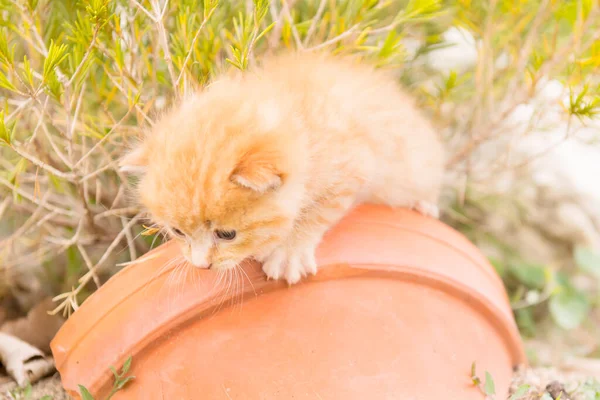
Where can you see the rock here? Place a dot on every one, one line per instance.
(557, 391)
(37, 328)
(460, 55)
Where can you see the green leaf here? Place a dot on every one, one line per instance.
(531, 275)
(261, 7)
(56, 55)
(520, 392)
(209, 7)
(27, 391)
(569, 308)
(7, 55)
(526, 322)
(498, 265)
(579, 107)
(419, 10)
(126, 366)
(588, 261)
(47, 397)
(267, 29)
(85, 394)
(474, 378)
(121, 383)
(54, 87)
(489, 387)
(391, 43)
(98, 11)
(27, 71)
(6, 84)
(32, 4)
(5, 133)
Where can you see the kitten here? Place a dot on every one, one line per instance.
(262, 163)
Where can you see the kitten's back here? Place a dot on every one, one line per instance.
(360, 117)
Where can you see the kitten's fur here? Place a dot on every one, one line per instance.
(279, 154)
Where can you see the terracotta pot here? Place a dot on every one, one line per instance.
(400, 309)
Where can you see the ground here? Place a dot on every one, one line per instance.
(544, 384)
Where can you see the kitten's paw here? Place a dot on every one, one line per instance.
(274, 265)
(426, 208)
(291, 263)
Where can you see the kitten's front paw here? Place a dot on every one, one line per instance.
(291, 263)
(427, 209)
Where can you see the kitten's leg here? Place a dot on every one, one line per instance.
(295, 258)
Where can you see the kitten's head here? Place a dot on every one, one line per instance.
(219, 177)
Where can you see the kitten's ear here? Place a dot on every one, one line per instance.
(135, 161)
(257, 170)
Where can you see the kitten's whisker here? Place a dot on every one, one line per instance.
(231, 293)
(223, 294)
(241, 289)
(249, 281)
(153, 241)
(169, 264)
(164, 267)
(196, 276)
(172, 277)
(238, 285)
(183, 278)
(229, 282)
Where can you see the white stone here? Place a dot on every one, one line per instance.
(460, 55)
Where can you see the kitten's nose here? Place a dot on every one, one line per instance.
(202, 266)
(199, 262)
(199, 256)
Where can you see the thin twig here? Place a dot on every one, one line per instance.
(164, 10)
(32, 198)
(164, 40)
(286, 11)
(4, 206)
(336, 39)
(36, 161)
(86, 55)
(124, 92)
(117, 212)
(130, 239)
(55, 148)
(98, 143)
(98, 171)
(525, 52)
(40, 121)
(19, 108)
(314, 22)
(190, 51)
(86, 278)
(25, 226)
(142, 8)
(88, 263)
(544, 152)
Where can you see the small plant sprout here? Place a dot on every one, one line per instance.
(488, 387)
(121, 379)
(520, 392)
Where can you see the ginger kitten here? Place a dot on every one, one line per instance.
(261, 164)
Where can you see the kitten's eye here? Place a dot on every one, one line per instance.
(225, 235)
(178, 232)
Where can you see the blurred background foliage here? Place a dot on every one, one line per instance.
(81, 80)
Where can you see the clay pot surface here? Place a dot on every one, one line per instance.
(400, 309)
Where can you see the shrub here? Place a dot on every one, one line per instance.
(80, 81)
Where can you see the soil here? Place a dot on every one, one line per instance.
(46, 387)
(544, 384)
